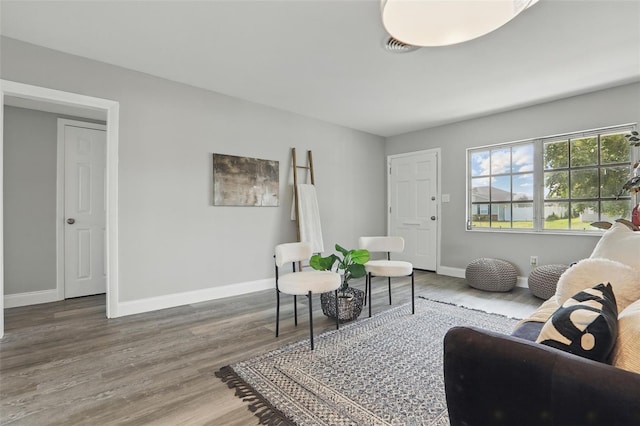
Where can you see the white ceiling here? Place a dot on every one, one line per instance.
(324, 59)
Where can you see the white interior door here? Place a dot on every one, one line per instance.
(413, 206)
(84, 211)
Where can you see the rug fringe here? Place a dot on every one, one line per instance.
(266, 413)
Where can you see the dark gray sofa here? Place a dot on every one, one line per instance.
(497, 379)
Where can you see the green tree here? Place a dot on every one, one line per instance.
(556, 156)
(588, 183)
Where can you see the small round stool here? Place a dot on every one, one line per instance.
(543, 280)
(491, 275)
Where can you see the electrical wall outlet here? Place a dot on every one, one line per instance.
(534, 260)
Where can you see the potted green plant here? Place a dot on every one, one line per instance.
(349, 264)
(633, 138)
(632, 186)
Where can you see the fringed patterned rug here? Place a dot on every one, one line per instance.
(384, 370)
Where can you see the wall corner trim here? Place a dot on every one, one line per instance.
(178, 299)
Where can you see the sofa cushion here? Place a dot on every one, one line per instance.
(626, 354)
(624, 280)
(619, 243)
(529, 330)
(543, 313)
(585, 325)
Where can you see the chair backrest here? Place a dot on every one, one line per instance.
(385, 244)
(292, 252)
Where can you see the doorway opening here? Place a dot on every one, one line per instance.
(36, 97)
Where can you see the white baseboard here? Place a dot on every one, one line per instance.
(186, 298)
(196, 296)
(459, 273)
(451, 272)
(30, 298)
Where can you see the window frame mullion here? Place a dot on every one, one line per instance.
(538, 183)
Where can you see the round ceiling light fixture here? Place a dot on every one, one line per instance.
(445, 22)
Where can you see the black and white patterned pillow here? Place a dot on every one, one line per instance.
(586, 324)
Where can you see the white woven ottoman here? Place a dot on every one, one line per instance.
(544, 279)
(491, 275)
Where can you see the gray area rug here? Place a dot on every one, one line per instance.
(384, 370)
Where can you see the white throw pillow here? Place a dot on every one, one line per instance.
(621, 244)
(626, 354)
(587, 273)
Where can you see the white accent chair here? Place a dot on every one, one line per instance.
(301, 283)
(386, 268)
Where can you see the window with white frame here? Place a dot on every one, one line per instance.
(560, 183)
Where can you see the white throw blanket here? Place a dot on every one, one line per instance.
(309, 220)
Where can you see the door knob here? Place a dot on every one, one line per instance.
(433, 218)
(71, 221)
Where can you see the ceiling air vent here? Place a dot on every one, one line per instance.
(396, 46)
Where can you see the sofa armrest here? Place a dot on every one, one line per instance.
(495, 379)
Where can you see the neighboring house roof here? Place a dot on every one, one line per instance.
(481, 194)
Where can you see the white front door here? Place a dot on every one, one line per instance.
(413, 206)
(84, 210)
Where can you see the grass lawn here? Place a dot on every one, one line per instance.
(548, 224)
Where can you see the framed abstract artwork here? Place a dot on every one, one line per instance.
(244, 181)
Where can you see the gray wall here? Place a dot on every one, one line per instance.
(602, 108)
(172, 239)
(30, 140)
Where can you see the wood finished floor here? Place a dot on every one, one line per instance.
(64, 363)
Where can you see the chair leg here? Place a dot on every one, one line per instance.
(277, 311)
(337, 313)
(389, 279)
(295, 310)
(366, 288)
(413, 292)
(311, 320)
(370, 291)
